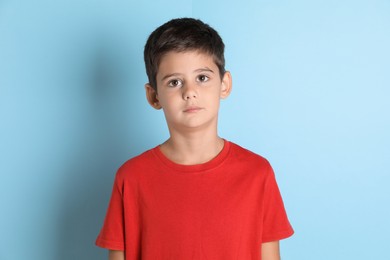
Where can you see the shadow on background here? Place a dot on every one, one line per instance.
(99, 148)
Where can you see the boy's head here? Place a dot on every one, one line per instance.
(181, 35)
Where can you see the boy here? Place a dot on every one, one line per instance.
(196, 196)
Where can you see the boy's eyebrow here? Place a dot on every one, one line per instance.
(204, 69)
(170, 75)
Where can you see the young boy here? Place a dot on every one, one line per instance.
(196, 196)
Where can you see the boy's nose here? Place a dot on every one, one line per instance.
(189, 92)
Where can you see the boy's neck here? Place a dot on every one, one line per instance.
(193, 148)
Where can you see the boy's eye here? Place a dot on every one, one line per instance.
(175, 83)
(203, 78)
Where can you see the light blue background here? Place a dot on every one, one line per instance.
(311, 94)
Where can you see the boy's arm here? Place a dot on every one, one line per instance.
(116, 255)
(270, 251)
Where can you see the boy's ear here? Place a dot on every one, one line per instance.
(151, 96)
(226, 85)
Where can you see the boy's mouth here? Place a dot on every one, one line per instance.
(192, 109)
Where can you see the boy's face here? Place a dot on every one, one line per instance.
(189, 89)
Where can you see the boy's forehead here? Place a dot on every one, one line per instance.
(176, 62)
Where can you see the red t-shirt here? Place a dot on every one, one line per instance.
(222, 209)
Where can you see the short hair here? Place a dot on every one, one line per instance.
(180, 35)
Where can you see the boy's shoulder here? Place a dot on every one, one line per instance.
(250, 163)
(140, 159)
(243, 154)
(137, 164)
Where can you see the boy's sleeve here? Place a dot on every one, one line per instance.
(112, 233)
(276, 225)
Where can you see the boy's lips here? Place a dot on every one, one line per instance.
(192, 109)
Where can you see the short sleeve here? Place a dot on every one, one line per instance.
(276, 225)
(111, 235)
